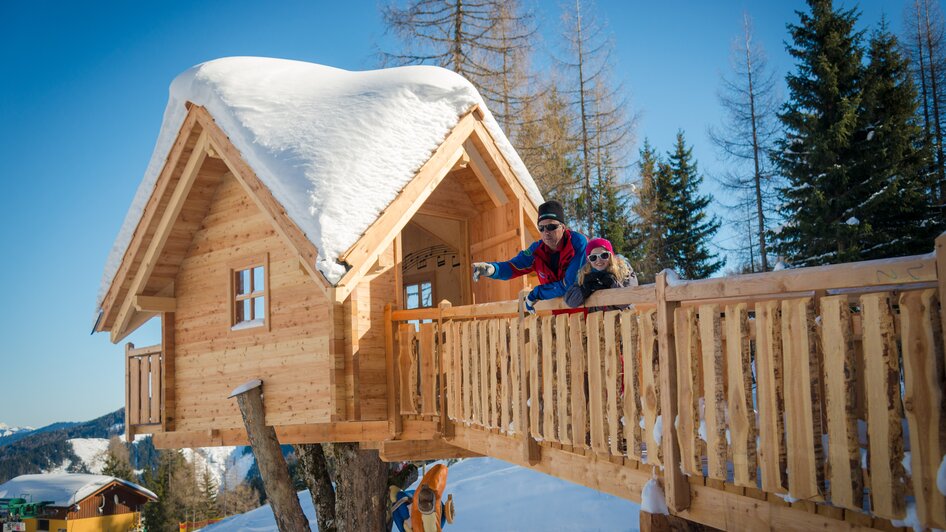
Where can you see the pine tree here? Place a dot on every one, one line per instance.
(651, 214)
(816, 154)
(690, 227)
(896, 215)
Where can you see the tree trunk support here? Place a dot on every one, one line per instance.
(272, 466)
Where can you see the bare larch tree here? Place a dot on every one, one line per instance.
(748, 98)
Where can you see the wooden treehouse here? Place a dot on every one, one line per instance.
(786, 401)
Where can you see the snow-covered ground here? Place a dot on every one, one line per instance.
(490, 494)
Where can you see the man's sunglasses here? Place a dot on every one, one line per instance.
(548, 228)
(604, 255)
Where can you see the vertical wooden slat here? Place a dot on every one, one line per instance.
(407, 386)
(884, 410)
(802, 407)
(155, 413)
(134, 394)
(923, 400)
(611, 361)
(515, 376)
(532, 357)
(145, 389)
(688, 385)
(840, 376)
(449, 367)
(548, 379)
(770, 395)
(466, 378)
(741, 412)
(595, 381)
(483, 372)
(493, 365)
(711, 344)
(579, 402)
(390, 364)
(630, 348)
(562, 366)
(428, 370)
(505, 399)
(650, 398)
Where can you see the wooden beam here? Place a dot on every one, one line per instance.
(272, 465)
(136, 320)
(485, 175)
(486, 140)
(882, 272)
(155, 304)
(163, 230)
(264, 199)
(341, 431)
(402, 450)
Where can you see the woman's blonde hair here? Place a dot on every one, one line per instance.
(617, 266)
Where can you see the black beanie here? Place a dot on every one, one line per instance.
(552, 210)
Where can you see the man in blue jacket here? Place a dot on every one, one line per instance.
(555, 258)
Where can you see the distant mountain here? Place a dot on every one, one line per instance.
(15, 434)
(50, 448)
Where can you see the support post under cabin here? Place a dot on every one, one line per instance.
(272, 466)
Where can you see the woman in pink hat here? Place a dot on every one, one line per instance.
(602, 269)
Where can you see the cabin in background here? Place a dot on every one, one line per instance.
(80, 502)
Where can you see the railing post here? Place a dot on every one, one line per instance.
(941, 281)
(394, 410)
(676, 487)
(446, 428)
(129, 432)
(531, 452)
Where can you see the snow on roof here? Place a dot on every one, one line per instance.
(335, 147)
(63, 489)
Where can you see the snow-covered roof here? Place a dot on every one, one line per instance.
(63, 489)
(335, 147)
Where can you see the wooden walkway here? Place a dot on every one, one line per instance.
(792, 400)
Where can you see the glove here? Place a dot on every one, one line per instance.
(598, 281)
(528, 303)
(482, 268)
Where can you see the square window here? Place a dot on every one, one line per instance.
(248, 293)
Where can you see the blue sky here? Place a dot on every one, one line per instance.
(83, 89)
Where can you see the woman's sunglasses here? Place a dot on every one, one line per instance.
(604, 255)
(548, 228)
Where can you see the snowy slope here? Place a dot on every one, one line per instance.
(227, 465)
(491, 494)
(91, 451)
(334, 147)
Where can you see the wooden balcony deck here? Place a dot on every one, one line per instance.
(786, 400)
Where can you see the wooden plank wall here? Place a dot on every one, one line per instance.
(291, 358)
(485, 228)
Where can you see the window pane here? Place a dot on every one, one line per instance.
(427, 295)
(258, 279)
(243, 282)
(247, 305)
(259, 308)
(413, 298)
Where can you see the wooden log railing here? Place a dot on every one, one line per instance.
(143, 389)
(822, 386)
